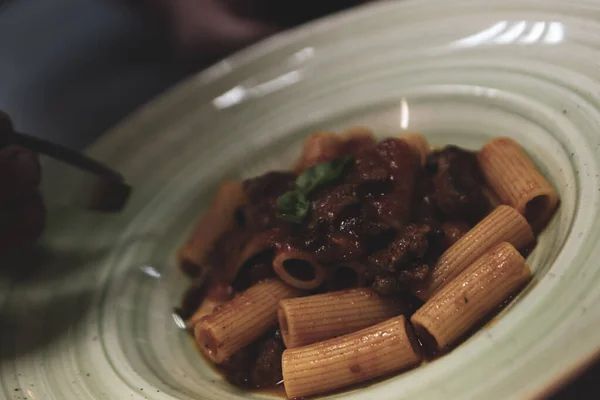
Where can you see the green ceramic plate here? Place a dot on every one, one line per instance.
(95, 322)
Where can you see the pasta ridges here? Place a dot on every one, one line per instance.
(314, 318)
(356, 357)
(474, 293)
(502, 224)
(218, 219)
(241, 320)
(518, 183)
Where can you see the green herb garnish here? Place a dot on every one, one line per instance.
(293, 206)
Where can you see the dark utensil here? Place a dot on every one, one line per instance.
(110, 192)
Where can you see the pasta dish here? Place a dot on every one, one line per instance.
(363, 259)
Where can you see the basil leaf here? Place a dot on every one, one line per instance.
(292, 206)
(321, 174)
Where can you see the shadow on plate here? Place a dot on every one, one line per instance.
(34, 326)
(41, 313)
(39, 263)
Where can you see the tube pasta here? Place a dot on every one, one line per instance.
(318, 147)
(206, 308)
(358, 133)
(242, 320)
(326, 146)
(257, 244)
(315, 318)
(418, 143)
(517, 181)
(355, 139)
(216, 295)
(298, 269)
(504, 224)
(357, 357)
(218, 219)
(473, 294)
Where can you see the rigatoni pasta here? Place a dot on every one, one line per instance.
(355, 139)
(240, 321)
(387, 347)
(298, 269)
(504, 224)
(517, 181)
(216, 295)
(358, 134)
(472, 295)
(206, 308)
(311, 319)
(218, 219)
(318, 147)
(326, 146)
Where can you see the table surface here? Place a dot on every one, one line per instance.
(54, 54)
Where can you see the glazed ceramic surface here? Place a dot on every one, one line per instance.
(94, 319)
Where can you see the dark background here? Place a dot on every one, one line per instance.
(71, 69)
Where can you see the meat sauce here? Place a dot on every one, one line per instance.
(387, 212)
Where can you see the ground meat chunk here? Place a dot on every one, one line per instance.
(330, 203)
(340, 246)
(394, 207)
(417, 273)
(370, 168)
(412, 243)
(385, 284)
(237, 368)
(332, 232)
(406, 259)
(263, 191)
(269, 185)
(399, 159)
(424, 209)
(267, 368)
(350, 237)
(257, 365)
(393, 284)
(457, 184)
(386, 177)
